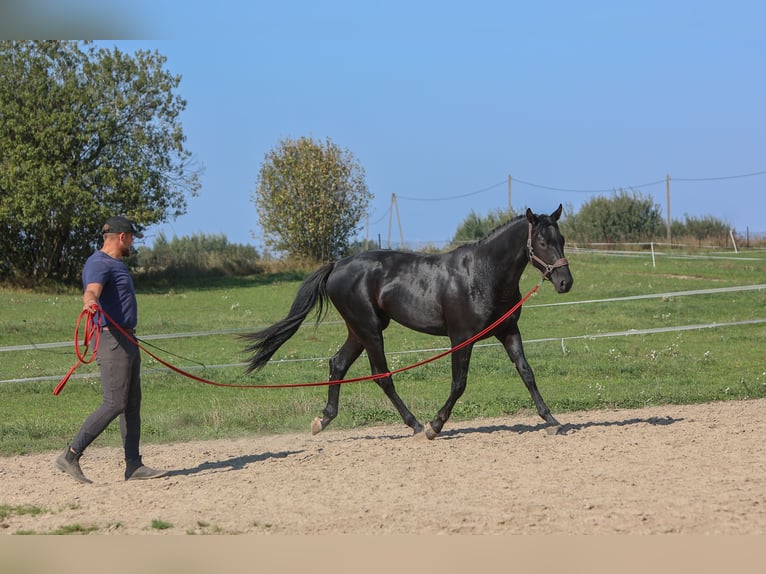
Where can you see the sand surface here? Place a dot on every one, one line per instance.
(697, 469)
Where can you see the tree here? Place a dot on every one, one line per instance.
(701, 228)
(84, 135)
(475, 227)
(310, 197)
(625, 217)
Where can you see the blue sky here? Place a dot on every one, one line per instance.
(441, 101)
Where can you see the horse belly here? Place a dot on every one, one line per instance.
(413, 312)
(404, 287)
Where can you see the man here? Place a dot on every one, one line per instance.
(107, 282)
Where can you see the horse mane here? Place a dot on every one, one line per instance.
(500, 228)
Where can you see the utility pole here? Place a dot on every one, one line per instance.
(399, 220)
(667, 192)
(395, 207)
(391, 218)
(510, 184)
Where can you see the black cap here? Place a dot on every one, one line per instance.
(120, 224)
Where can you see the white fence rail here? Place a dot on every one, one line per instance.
(628, 332)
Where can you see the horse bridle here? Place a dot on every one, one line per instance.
(547, 269)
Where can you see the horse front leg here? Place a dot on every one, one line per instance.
(340, 363)
(460, 361)
(379, 365)
(515, 350)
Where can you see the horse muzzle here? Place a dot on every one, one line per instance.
(561, 278)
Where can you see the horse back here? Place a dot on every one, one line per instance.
(413, 289)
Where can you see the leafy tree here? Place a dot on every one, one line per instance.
(310, 198)
(476, 227)
(624, 217)
(701, 228)
(84, 134)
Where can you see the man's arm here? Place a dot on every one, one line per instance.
(90, 296)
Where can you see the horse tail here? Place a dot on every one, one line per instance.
(312, 291)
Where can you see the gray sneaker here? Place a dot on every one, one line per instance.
(137, 470)
(69, 462)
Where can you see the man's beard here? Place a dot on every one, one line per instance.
(125, 251)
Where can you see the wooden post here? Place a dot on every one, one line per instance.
(510, 182)
(395, 209)
(391, 218)
(667, 191)
(399, 220)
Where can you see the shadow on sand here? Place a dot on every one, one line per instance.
(235, 463)
(565, 428)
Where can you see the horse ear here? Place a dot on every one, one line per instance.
(531, 217)
(556, 214)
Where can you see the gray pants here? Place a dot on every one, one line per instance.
(119, 361)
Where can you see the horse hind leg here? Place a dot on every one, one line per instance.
(339, 366)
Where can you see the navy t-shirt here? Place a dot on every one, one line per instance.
(118, 297)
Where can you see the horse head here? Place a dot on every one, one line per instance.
(545, 249)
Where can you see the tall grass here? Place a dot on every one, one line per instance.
(573, 371)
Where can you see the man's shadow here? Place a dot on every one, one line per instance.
(235, 463)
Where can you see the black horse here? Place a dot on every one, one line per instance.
(457, 294)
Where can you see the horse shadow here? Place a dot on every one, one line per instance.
(565, 428)
(234, 463)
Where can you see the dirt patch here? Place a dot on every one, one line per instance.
(698, 469)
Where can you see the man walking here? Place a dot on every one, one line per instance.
(107, 282)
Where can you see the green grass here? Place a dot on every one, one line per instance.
(68, 529)
(158, 524)
(19, 510)
(691, 366)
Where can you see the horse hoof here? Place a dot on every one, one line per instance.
(430, 432)
(553, 430)
(316, 425)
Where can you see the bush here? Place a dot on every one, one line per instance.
(197, 256)
(709, 229)
(623, 218)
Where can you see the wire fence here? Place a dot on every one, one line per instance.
(753, 241)
(623, 333)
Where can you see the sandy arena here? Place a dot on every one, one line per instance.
(698, 469)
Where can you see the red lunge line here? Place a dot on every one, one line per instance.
(91, 329)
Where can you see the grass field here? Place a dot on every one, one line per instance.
(587, 354)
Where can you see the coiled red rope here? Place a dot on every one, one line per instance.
(92, 330)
